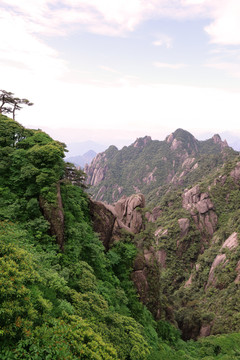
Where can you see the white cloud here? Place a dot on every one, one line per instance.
(169, 66)
(163, 40)
(225, 28)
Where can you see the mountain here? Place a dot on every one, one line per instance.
(82, 279)
(82, 160)
(79, 148)
(187, 268)
(151, 166)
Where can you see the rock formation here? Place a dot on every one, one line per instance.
(201, 209)
(108, 220)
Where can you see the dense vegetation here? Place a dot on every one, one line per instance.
(79, 303)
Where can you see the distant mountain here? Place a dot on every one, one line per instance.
(80, 148)
(82, 160)
(152, 166)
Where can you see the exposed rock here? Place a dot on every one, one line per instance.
(126, 211)
(201, 208)
(154, 215)
(217, 140)
(153, 255)
(108, 219)
(220, 259)
(176, 144)
(188, 162)
(205, 330)
(189, 282)
(96, 170)
(235, 173)
(150, 177)
(103, 222)
(141, 142)
(231, 242)
(184, 224)
(160, 232)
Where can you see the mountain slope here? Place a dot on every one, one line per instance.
(151, 166)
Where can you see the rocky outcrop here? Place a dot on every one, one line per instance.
(96, 171)
(150, 177)
(201, 209)
(154, 214)
(141, 142)
(108, 220)
(217, 140)
(103, 222)
(221, 259)
(184, 224)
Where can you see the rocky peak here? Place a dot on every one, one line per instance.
(182, 139)
(217, 140)
(141, 142)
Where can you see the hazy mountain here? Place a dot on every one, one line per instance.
(82, 160)
(80, 148)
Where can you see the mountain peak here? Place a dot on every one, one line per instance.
(141, 142)
(182, 139)
(217, 140)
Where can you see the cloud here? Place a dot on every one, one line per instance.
(225, 28)
(233, 69)
(169, 66)
(163, 40)
(59, 17)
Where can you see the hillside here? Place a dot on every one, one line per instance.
(64, 296)
(152, 167)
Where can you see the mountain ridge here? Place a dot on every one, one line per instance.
(147, 165)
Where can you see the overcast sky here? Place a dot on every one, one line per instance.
(114, 70)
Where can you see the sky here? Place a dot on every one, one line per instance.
(113, 70)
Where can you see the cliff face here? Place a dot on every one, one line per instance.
(150, 166)
(109, 220)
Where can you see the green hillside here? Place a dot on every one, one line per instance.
(61, 295)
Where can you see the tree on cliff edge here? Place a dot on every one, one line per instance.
(9, 104)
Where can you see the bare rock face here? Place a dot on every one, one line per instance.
(220, 259)
(96, 171)
(201, 208)
(184, 224)
(126, 211)
(217, 140)
(231, 242)
(108, 219)
(103, 222)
